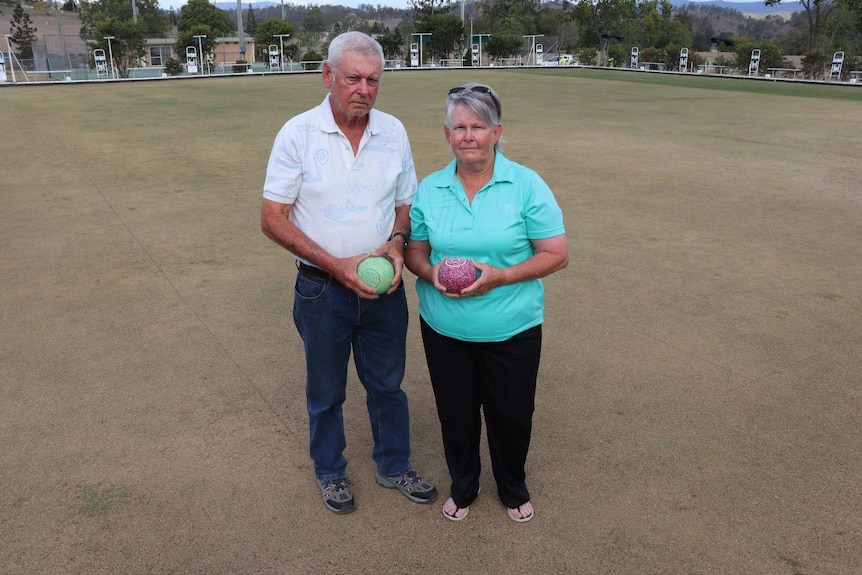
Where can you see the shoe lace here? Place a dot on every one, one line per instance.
(411, 477)
(336, 485)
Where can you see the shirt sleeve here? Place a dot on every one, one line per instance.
(407, 183)
(284, 170)
(418, 225)
(544, 217)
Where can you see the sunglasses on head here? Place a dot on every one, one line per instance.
(480, 90)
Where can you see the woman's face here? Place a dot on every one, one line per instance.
(472, 141)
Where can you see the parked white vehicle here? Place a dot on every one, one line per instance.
(561, 60)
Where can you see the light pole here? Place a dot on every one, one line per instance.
(281, 37)
(480, 36)
(420, 34)
(11, 63)
(111, 56)
(200, 38)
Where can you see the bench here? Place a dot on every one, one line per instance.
(705, 68)
(452, 62)
(778, 72)
(855, 75)
(652, 66)
(231, 67)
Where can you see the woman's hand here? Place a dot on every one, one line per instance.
(489, 278)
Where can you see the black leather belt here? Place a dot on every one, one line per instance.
(314, 272)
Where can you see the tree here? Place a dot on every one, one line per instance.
(818, 13)
(23, 33)
(601, 21)
(504, 45)
(447, 30)
(200, 18)
(853, 8)
(313, 21)
(114, 18)
(518, 17)
(700, 28)
(251, 22)
(265, 34)
(202, 13)
(770, 55)
(392, 44)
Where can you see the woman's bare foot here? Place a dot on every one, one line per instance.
(521, 514)
(453, 512)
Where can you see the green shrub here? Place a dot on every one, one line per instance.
(815, 63)
(850, 63)
(770, 56)
(310, 60)
(586, 56)
(173, 67)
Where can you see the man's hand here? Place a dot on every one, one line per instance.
(345, 273)
(393, 250)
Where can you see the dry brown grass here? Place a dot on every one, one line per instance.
(699, 403)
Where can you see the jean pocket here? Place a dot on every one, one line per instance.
(309, 288)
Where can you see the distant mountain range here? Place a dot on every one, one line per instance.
(744, 7)
(747, 7)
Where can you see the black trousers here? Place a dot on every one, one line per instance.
(498, 378)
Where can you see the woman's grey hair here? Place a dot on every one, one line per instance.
(354, 42)
(481, 99)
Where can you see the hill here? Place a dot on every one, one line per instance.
(744, 7)
(748, 8)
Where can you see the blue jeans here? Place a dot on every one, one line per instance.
(332, 321)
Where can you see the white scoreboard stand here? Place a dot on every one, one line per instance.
(101, 63)
(634, 62)
(274, 58)
(192, 59)
(3, 78)
(837, 65)
(754, 64)
(540, 50)
(683, 60)
(475, 50)
(414, 55)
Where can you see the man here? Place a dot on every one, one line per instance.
(338, 188)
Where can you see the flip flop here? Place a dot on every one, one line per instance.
(454, 516)
(511, 511)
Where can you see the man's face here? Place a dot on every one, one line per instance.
(353, 85)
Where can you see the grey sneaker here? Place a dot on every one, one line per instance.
(410, 484)
(337, 495)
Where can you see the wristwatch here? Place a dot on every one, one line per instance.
(403, 236)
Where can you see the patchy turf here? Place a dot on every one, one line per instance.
(699, 400)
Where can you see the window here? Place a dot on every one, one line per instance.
(159, 55)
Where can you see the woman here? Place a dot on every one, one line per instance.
(483, 344)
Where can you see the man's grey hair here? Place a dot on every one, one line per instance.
(354, 42)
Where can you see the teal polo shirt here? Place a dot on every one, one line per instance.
(514, 207)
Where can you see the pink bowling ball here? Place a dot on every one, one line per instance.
(456, 273)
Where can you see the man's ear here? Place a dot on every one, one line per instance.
(327, 75)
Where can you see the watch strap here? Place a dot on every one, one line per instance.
(403, 236)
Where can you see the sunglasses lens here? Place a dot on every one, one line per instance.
(480, 90)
